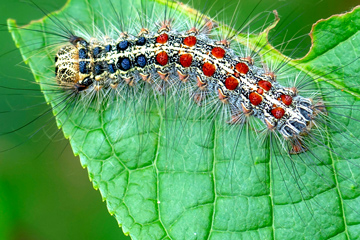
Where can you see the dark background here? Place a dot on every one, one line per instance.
(44, 192)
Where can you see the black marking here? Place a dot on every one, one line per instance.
(303, 103)
(84, 43)
(83, 85)
(75, 39)
(305, 113)
(298, 125)
(288, 131)
(87, 82)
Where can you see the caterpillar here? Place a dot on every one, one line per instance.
(207, 117)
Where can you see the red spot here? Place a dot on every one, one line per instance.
(242, 68)
(255, 98)
(265, 85)
(162, 58)
(162, 38)
(190, 41)
(185, 60)
(287, 100)
(231, 83)
(208, 69)
(260, 91)
(278, 112)
(218, 52)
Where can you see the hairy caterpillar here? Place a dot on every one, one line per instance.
(229, 184)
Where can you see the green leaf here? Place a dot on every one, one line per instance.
(7, 222)
(169, 169)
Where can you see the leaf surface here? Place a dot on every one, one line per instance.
(168, 171)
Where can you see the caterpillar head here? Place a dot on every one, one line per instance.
(71, 71)
(67, 66)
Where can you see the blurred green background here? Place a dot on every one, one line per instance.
(44, 192)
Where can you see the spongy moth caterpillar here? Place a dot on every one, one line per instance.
(232, 179)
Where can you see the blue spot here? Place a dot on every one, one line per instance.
(141, 41)
(124, 64)
(82, 53)
(96, 51)
(98, 69)
(108, 48)
(141, 61)
(111, 68)
(123, 45)
(83, 67)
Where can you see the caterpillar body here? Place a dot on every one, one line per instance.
(247, 89)
(193, 130)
